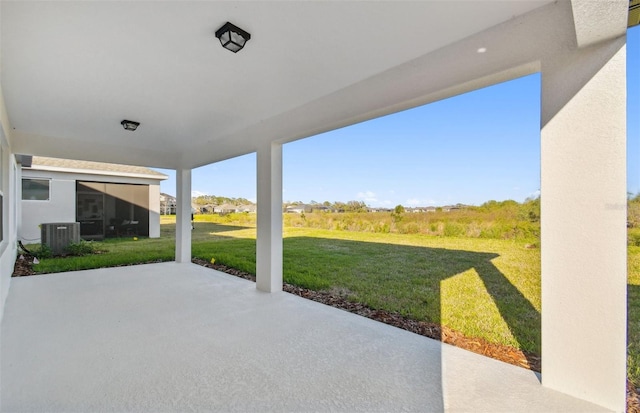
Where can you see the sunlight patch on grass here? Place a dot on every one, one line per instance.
(461, 295)
(633, 315)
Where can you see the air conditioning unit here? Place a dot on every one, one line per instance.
(59, 235)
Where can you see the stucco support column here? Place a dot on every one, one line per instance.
(269, 243)
(183, 215)
(583, 200)
(154, 211)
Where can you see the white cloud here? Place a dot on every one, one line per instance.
(197, 193)
(414, 202)
(367, 196)
(371, 198)
(534, 194)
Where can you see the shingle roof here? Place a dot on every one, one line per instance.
(110, 168)
(634, 13)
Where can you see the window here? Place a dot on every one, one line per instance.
(35, 189)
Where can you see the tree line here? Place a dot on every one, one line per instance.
(219, 200)
(528, 210)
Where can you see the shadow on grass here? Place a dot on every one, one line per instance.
(201, 229)
(388, 275)
(633, 333)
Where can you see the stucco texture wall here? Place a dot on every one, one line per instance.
(59, 208)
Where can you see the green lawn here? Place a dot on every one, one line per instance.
(487, 288)
(633, 311)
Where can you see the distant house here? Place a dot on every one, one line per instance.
(450, 208)
(106, 199)
(249, 208)
(298, 209)
(167, 204)
(379, 209)
(307, 208)
(320, 208)
(206, 209)
(225, 209)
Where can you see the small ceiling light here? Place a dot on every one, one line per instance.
(232, 37)
(130, 125)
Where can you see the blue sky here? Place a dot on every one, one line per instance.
(467, 149)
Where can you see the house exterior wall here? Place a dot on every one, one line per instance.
(167, 204)
(9, 175)
(8, 250)
(61, 206)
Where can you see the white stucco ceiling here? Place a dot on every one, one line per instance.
(72, 70)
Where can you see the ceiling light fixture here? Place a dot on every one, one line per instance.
(130, 125)
(232, 37)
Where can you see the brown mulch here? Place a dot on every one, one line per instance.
(633, 398)
(508, 354)
(23, 266)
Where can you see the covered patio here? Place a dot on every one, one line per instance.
(180, 337)
(172, 336)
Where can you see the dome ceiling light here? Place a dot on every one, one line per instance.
(232, 37)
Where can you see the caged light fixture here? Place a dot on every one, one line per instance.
(130, 125)
(232, 37)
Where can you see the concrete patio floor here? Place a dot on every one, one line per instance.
(180, 337)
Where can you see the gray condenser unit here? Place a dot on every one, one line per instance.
(59, 235)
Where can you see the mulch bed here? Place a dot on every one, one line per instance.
(633, 398)
(23, 266)
(508, 354)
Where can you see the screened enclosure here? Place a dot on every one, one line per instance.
(112, 210)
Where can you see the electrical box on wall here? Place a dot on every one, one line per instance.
(58, 236)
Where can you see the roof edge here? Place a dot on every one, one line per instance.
(159, 177)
